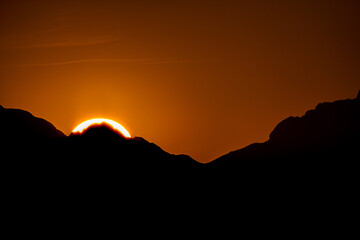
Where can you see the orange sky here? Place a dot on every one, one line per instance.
(195, 77)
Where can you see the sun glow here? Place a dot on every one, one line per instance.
(84, 125)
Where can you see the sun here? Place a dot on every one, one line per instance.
(84, 125)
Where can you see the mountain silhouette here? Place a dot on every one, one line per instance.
(19, 125)
(307, 171)
(34, 150)
(309, 165)
(98, 174)
(321, 137)
(100, 130)
(322, 144)
(103, 142)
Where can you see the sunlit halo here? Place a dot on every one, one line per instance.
(84, 125)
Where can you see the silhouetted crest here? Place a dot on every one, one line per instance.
(328, 122)
(358, 96)
(331, 129)
(19, 125)
(101, 131)
(100, 148)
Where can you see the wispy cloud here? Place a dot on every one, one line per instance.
(73, 43)
(99, 60)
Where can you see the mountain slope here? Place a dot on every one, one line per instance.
(20, 125)
(32, 146)
(330, 132)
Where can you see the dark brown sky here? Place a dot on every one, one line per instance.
(195, 77)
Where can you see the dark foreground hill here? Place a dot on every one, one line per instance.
(324, 138)
(307, 172)
(20, 126)
(303, 179)
(324, 143)
(34, 152)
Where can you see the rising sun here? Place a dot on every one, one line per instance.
(84, 125)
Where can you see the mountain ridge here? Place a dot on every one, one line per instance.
(327, 126)
(38, 145)
(17, 122)
(276, 174)
(324, 128)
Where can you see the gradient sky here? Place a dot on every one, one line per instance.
(196, 77)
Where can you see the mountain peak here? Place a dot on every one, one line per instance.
(19, 125)
(100, 131)
(329, 121)
(330, 130)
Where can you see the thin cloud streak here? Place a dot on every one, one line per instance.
(71, 44)
(99, 60)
